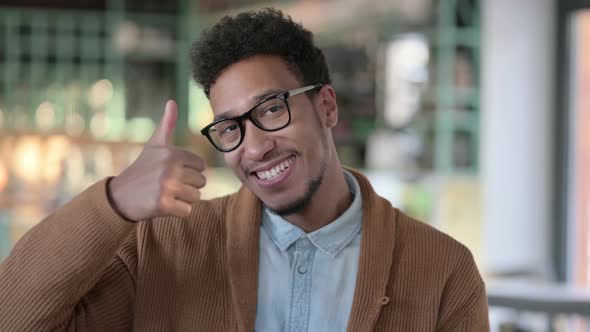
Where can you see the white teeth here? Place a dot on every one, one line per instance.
(275, 171)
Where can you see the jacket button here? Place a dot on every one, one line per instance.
(384, 300)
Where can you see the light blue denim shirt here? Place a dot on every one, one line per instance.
(306, 281)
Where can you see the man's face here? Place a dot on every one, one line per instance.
(296, 156)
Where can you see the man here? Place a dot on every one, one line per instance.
(305, 245)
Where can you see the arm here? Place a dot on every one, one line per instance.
(68, 266)
(464, 306)
(109, 306)
(77, 268)
(475, 319)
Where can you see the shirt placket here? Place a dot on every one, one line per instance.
(301, 285)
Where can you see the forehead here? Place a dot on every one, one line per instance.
(238, 85)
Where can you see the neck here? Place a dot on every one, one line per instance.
(330, 201)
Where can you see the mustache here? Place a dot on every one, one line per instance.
(271, 155)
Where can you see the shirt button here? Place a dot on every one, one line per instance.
(302, 269)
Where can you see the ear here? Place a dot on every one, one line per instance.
(328, 106)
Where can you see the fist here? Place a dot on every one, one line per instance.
(163, 180)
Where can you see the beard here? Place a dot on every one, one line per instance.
(302, 202)
(313, 184)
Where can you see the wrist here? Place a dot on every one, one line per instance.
(111, 183)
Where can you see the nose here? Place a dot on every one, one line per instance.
(257, 142)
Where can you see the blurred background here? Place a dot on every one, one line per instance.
(471, 115)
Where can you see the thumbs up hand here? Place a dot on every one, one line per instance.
(163, 180)
(163, 134)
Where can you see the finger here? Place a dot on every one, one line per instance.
(191, 160)
(162, 136)
(177, 208)
(188, 194)
(193, 178)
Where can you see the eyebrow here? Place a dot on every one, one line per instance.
(259, 97)
(223, 116)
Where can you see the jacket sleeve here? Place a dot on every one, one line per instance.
(75, 270)
(464, 306)
(477, 318)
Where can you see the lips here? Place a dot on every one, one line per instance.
(274, 172)
(274, 176)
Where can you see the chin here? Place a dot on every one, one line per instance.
(275, 204)
(285, 210)
(295, 205)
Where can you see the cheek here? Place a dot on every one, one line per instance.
(232, 161)
(306, 128)
(310, 132)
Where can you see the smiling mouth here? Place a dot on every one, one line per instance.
(272, 173)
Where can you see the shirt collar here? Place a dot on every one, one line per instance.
(330, 239)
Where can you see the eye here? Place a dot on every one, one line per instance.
(274, 109)
(229, 129)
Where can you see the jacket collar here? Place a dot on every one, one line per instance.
(377, 242)
(376, 257)
(242, 243)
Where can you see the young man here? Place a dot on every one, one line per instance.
(305, 245)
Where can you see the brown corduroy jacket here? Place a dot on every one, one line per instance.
(84, 268)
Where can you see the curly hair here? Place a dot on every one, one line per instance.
(264, 32)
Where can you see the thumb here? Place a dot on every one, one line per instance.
(163, 134)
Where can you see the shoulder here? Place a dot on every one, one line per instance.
(207, 220)
(417, 245)
(432, 250)
(439, 263)
(215, 208)
(423, 237)
(447, 269)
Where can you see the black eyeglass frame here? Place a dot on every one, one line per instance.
(248, 115)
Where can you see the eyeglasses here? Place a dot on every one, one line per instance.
(270, 114)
